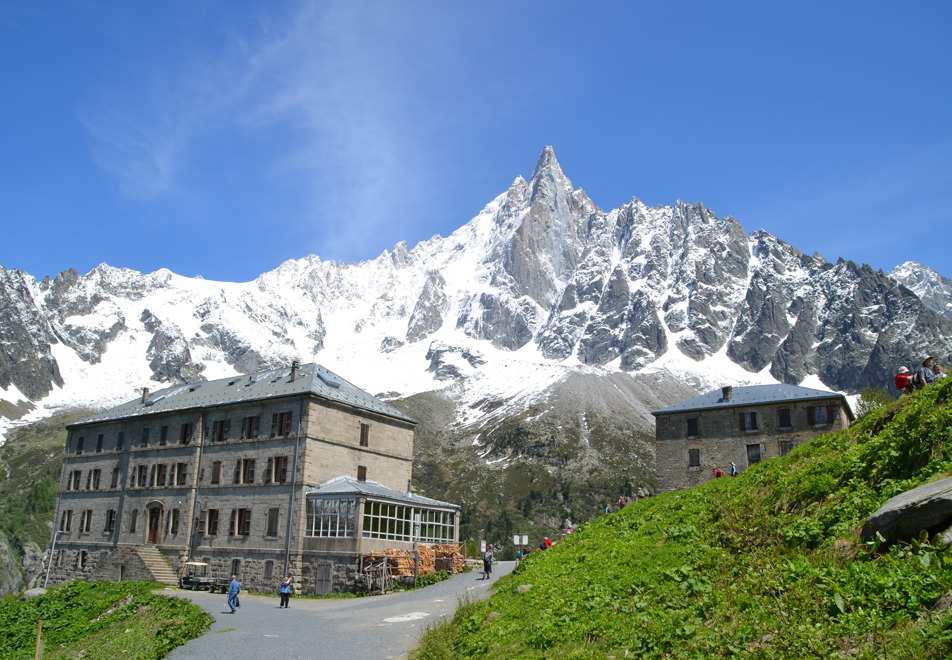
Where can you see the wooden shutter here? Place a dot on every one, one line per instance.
(269, 471)
(741, 421)
(225, 429)
(274, 424)
(251, 471)
(830, 414)
(286, 427)
(238, 472)
(283, 477)
(234, 520)
(811, 416)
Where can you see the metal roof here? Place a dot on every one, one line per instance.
(271, 384)
(351, 486)
(752, 395)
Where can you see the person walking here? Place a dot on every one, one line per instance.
(487, 563)
(233, 588)
(285, 592)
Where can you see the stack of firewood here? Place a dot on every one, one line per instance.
(402, 562)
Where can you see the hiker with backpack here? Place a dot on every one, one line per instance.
(903, 381)
(924, 374)
(488, 563)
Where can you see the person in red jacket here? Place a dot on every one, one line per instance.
(903, 381)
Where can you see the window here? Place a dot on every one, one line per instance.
(365, 435)
(120, 440)
(158, 475)
(163, 435)
(140, 476)
(694, 458)
(220, 430)
(748, 421)
(692, 427)
(277, 470)
(145, 438)
(361, 473)
(80, 441)
(268, 572)
(133, 521)
(74, 479)
(245, 471)
(216, 472)
(281, 424)
(236, 567)
(785, 446)
(817, 415)
(331, 518)
(174, 522)
(397, 522)
(110, 520)
(181, 472)
(86, 520)
(185, 433)
(783, 418)
(66, 521)
(249, 427)
(99, 440)
(273, 522)
(92, 480)
(240, 522)
(81, 558)
(211, 522)
(115, 478)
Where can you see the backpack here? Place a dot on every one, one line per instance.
(917, 380)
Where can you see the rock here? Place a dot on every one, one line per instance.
(32, 593)
(904, 517)
(523, 588)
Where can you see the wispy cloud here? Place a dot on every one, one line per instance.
(330, 84)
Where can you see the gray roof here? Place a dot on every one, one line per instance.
(752, 395)
(271, 384)
(350, 486)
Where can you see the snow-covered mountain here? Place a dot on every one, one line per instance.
(933, 289)
(540, 289)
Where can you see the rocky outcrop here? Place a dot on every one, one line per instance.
(927, 508)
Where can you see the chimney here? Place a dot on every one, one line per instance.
(726, 393)
(145, 394)
(294, 369)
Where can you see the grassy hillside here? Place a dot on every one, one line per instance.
(99, 620)
(767, 565)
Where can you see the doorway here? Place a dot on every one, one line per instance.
(155, 524)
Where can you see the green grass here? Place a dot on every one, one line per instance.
(767, 565)
(99, 620)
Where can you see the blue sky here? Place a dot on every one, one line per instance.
(220, 138)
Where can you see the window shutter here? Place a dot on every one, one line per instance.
(231, 525)
(274, 424)
(244, 427)
(811, 416)
(251, 471)
(238, 472)
(269, 471)
(284, 470)
(830, 414)
(753, 421)
(740, 419)
(287, 424)
(254, 427)
(225, 429)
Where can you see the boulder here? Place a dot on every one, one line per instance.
(904, 517)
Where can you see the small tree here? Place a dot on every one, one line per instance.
(871, 398)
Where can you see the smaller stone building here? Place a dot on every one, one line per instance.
(743, 425)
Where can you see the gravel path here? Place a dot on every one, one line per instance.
(371, 628)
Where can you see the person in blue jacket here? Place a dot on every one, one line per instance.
(233, 588)
(285, 592)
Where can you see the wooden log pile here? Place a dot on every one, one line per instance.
(432, 558)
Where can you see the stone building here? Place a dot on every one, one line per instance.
(290, 471)
(743, 425)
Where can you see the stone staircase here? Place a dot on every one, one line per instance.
(157, 564)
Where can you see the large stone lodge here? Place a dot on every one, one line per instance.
(291, 471)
